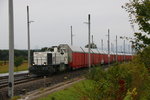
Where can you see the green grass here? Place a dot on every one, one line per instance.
(71, 93)
(4, 68)
(16, 98)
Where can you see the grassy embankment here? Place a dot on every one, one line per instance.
(70, 93)
(4, 67)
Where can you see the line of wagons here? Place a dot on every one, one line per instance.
(64, 57)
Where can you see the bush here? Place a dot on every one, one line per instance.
(145, 57)
(127, 81)
(120, 80)
(18, 61)
(110, 84)
(96, 73)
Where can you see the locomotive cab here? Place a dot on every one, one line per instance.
(55, 59)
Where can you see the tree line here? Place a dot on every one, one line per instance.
(4, 54)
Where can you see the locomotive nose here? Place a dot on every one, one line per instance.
(41, 70)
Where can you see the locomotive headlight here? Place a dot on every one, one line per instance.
(44, 63)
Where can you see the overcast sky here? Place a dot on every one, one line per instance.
(53, 19)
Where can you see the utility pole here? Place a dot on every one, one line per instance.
(121, 49)
(116, 50)
(89, 44)
(123, 37)
(124, 50)
(112, 47)
(92, 39)
(128, 48)
(28, 26)
(132, 50)
(89, 48)
(102, 51)
(71, 36)
(108, 47)
(11, 50)
(102, 44)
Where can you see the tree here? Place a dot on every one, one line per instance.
(44, 48)
(92, 45)
(145, 57)
(18, 61)
(139, 13)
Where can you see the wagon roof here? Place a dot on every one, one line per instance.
(83, 49)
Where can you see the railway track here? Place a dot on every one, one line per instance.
(30, 84)
(17, 80)
(16, 74)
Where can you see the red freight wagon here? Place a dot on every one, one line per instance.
(79, 57)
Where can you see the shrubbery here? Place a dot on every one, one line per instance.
(18, 61)
(127, 81)
(145, 57)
